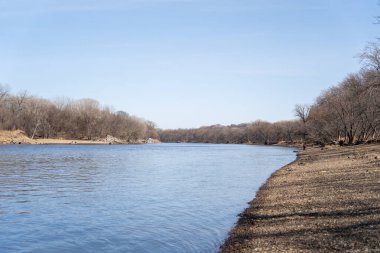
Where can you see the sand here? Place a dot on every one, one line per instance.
(19, 137)
(327, 200)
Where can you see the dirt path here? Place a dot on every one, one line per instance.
(328, 200)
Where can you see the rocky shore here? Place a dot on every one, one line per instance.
(328, 200)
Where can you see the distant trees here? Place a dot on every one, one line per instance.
(66, 118)
(347, 113)
(261, 132)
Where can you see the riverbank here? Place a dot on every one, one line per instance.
(19, 137)
(327, 200)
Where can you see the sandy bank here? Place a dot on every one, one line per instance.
(19, 137)
(327, 200)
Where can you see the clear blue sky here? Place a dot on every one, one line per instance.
(184, 63)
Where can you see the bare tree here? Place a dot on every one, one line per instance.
(151, 131)
(38, 114)
(69, 118)
(4, 91)
(16, 106)
(302, 112)
(89, 114)
(371, 56)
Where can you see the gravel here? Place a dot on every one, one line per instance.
(328, 200)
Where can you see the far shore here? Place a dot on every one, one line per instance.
(19, 137)
(67, 142)
(327, 200)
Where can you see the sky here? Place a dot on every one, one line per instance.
(184, 63)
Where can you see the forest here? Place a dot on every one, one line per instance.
(346, 113)
(65, 118)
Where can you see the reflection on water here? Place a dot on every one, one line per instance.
(135, 198)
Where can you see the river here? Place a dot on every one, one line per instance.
(128, 198)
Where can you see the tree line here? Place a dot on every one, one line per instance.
(256, 132)
(350, 111)
(69, 119)
(346, 113)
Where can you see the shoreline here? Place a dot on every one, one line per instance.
(19, 137)
(58, 142)
(328, 199)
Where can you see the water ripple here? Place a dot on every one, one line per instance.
(137, 198)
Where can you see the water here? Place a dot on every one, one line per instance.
(128, 198)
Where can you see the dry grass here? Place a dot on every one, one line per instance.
(327, 200)
(19, 137)
(14, 137)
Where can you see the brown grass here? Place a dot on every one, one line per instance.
(14, 137)
(327, 200)
(19, 137)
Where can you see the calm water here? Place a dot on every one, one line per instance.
(136, 198)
